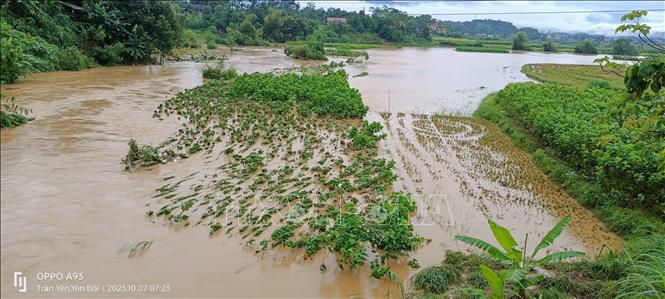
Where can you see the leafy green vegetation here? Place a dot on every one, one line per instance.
(549, 46)
(505, 271)
(436, 279)
(573, 122)
(520, 41)
(40, 36)
(481, 50)
(605, 118)
(141, 156)
(506, 44)
(624, 47)
(366, 136)
(633, 274)
(329, 94)
(586, 47)
(317, 192)
(11, 114)
(622, 127)
(262, 22)
(311, 50)
(519, 277)
(217, 71)
(572, 74)
(347, 52)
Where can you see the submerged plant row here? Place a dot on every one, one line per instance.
(287, 162)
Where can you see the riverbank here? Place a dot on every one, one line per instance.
(633, 270)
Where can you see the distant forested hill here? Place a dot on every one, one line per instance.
(503, 29)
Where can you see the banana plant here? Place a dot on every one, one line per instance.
(520, 263)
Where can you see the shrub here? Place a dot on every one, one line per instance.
(211, 44)
(624, 46)
(597, 83)
(586, 47)
(436, 279)
(549, 46)
(13, 61)
(310, 51)
(110, 54)
(71, 59)
(520, 41)
(212, 72)
(229, 74)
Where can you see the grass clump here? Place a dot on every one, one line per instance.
(217, 71)
(436, 279)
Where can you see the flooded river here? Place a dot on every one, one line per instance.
(68, 206)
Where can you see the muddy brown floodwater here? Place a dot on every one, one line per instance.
(68, 206)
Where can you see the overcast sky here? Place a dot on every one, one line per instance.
(595, 23)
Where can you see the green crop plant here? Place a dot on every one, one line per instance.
(141, 156)
(367, 135)
(518, 277)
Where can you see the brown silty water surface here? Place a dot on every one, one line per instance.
(68, 206)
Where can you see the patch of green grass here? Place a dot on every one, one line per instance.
(481, 49)
(574, 75)
(436, 279)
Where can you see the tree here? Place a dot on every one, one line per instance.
(623, 46)
(272, 26)
(641, 111)
(549, 46)
(247, 28)
(586, 47)
(293, 28)
(520, 41)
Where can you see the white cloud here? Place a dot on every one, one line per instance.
(596, 23)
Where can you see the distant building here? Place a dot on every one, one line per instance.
(436, 28)
(331, 20)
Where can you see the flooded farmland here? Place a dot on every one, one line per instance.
(68, 205)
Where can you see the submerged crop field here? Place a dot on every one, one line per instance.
(289, 162)
(294, 160)
(277, 149)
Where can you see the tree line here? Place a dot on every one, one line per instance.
(49, 35)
